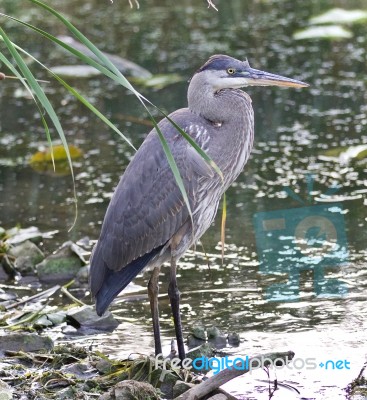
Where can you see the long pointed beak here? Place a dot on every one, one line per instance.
(255, 77)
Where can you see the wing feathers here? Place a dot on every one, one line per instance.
(147, 208)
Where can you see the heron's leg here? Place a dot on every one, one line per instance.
(153, 291)
(174, 296)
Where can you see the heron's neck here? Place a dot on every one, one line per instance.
(223, 106)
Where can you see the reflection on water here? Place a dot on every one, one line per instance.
(294, 129)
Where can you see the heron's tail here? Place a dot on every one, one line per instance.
(115, 281)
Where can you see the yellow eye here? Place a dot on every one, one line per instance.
(231, 71)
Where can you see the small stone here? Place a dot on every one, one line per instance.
(83, 274)
(198, 331)
(6, 392)
(131, 390)
(192, 341)
(27, 342)
(205, 351)
(61, 266)
(57, 317)
(65, 394)
(69, 330)
(234, 339)
(181, 387)
(79, 370)
(216, 337)
(85, 318)
(213, 332)
(27, 256)
(104, 366)
(42, 322)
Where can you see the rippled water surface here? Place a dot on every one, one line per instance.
(322, 312)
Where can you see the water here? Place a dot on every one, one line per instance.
(287, 171)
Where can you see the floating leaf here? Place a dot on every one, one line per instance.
(158, 81)
(341, 16)
(345, 154)
(76, 71)
(59, 154)
(18, 235)
(323, 32)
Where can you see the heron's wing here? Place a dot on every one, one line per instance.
(147, 208)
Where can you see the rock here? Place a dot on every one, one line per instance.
(169, 381)
(65, 394)
(357, 390)
(131, 390)
(192, 341)
(78, 370)
(83, 274)
(233, 339)
(213, 332)
(27, 342)
(62, 266)
(104, 366)
(85, 318)
(181, 387)
(5, 297)
(27, 256)
(57, 317)
(51, 319)
(205, 350)
(42, 322)
(198, 331)
(216, 337)
(6, 392)
(69, 330)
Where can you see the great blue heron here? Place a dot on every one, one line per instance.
(147, 222)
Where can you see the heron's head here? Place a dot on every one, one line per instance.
(224, 72)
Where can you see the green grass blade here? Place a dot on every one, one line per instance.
(115, 75)
(24, 82)
(83, 39)
(175, 170)
(78, 96)
(70, 49)
(41, 96)
(109, 69)
(189, 139)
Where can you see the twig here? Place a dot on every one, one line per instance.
(228, 374)
(73, 298)
(3, 76)
(211, 4)
(30, 318)
(46, 293)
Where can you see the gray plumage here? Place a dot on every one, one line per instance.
(147, 222)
